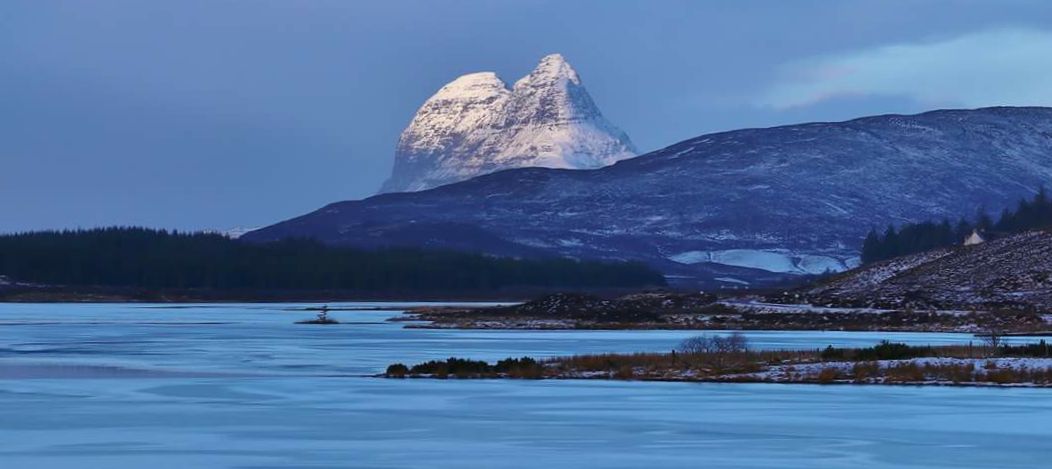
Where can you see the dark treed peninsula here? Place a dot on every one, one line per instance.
(156, 259)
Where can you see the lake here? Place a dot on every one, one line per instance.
(241, 386)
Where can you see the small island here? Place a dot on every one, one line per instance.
(729, 359)
(321, 318)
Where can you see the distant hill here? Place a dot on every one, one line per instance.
(1011, 272)
(748, 206)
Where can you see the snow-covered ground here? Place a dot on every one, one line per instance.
(805, 371)
(762, 307)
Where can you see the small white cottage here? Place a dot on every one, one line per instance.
(974, 238)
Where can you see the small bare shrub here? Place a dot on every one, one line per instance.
(961, 373)
(735, 342)
(993, 339)
(828, 375)
(907, 372)
(1005, 376)
(863, 371)
(397, 370)
(625, 372)
(717, 352)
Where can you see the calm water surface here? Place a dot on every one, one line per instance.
(241, 386)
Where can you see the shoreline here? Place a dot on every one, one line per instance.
(947, 384)
(728, 315)
(727, 359)
(666, 327)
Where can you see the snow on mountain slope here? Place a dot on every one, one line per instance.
(475, 125)
(800, 190)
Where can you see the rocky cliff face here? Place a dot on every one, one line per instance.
(475, 125)
(747, 206)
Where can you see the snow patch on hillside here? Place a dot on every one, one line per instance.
(775, 260)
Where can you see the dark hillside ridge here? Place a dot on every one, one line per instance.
(1010, 273)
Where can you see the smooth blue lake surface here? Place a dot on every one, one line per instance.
(241, 386)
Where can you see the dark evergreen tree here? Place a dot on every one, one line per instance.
(983, 222)
(961, 232)
(871, 247)
(891, 246)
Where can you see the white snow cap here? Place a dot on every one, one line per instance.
(552, 66)
(472, 85)
(475, 125)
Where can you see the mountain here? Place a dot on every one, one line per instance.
(754, 205)
(475, 125)
(1015, 271)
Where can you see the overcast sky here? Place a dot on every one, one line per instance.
(215, 114)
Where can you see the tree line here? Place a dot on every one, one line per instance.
(147, 258)
(1032, 214)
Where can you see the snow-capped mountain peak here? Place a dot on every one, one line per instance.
(553, 67)
(476, 125)
(478, 86)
